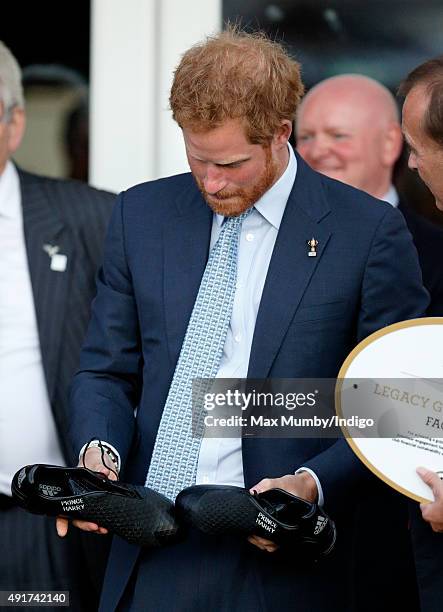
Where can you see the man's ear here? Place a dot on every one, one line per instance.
(16, 129)
(393, 144)
(283, 133)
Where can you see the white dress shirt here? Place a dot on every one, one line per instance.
(391, 196)
(27, 429)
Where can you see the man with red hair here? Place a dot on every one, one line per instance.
(286, 309)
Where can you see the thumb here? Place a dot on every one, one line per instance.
(62, 526)
(432, 480)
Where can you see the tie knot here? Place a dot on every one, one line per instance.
(243, 216)
(236, 222)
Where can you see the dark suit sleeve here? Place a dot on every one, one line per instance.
(391, 291)
(392, 288)
(105, 391)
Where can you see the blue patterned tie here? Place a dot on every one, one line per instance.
(174, 459)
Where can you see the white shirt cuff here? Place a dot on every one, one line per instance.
(321, 499)
(95, 444)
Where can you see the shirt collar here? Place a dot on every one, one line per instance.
(391, 196)
(272, 204)
(9, 192)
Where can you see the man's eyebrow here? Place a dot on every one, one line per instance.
(223, 163)
(234, 161)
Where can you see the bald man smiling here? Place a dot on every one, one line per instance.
(348, 128)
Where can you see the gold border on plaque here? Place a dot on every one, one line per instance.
(341, 375)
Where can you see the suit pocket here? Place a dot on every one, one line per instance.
(321, 312)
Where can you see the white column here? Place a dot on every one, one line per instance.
(135, 46)
(182, 24)
(122, 102)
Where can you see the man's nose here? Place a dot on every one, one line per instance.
(214, 180)
(319, 147)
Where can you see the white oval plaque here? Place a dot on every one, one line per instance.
(395, 377)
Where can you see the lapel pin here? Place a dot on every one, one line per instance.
(58, 260)
(50, 249)
(312, 247)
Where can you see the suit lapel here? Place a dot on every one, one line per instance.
(186, 248)
(291, 268)
(43, 225)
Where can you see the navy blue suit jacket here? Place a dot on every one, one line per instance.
(313, 311)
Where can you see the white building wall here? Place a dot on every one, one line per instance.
(135, 46)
